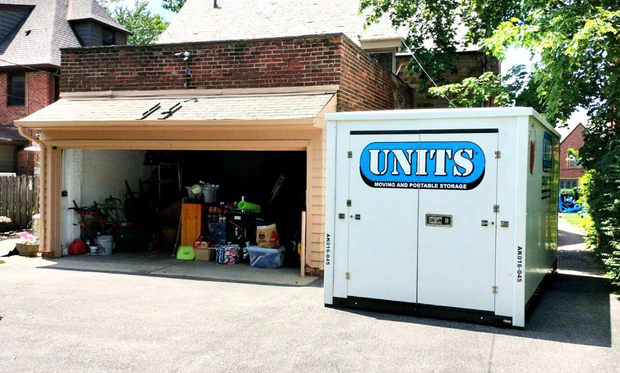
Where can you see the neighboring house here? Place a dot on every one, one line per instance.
(251, 77)
(570, 169)
(209, 20)
(32, 32)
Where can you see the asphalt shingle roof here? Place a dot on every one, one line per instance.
(242, 107)
(49, 27)
(198, 20)
(90, 9)
(10, 134)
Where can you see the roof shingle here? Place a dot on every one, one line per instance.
(49, 31)
(241, 107)
(198, 20)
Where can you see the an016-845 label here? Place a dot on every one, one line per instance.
(328, 249)
(519, 264)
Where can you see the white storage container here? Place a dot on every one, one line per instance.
(263, 257)
(445, 213)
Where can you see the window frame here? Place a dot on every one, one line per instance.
(11, 97)
(111, 31)
(569, 183)
(573, 162)
(392, 52)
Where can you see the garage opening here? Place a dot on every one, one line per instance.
(241, 208)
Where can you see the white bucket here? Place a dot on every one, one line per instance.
(106, 242)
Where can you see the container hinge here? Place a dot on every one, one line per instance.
(349, 154)
(494, 290)
(347, 276)
(498, 154)
(495, 208)
(348, 203)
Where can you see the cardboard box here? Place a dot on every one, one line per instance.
(204, 254)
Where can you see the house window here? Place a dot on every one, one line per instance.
(385, 59)
(568, 183)
(573, 162)
(17, 89)
(108, 36)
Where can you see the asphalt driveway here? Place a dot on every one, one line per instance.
(79, 321)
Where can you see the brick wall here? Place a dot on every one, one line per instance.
(283, 62)
(40, 92)
(214, 65)
(365, 85)
(573, 140)
(468, 64)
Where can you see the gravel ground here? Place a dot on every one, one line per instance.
(70, 321)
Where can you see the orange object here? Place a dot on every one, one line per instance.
(191, 221)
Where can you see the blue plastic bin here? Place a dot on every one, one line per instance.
(261, 257)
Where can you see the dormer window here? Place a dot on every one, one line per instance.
(108, 36)
(387, 59)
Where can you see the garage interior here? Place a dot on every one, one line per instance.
(144, 201)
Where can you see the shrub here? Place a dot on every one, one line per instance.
(573, 192)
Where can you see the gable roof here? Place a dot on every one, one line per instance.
(567, 134)
(50, 30)
(198, 20)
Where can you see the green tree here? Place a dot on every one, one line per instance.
(173, 5)
(513, 88)
(578, 45)
(109, 5)
(144, 25)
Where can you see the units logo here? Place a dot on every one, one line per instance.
(423, 165)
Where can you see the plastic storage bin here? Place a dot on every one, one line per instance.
(262, 257)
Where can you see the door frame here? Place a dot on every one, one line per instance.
(52, 171)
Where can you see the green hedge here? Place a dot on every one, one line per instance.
(601, 188)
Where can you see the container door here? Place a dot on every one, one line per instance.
(383, 217)
(456, 258)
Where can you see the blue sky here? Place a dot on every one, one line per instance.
(513, 56)
(155, 6)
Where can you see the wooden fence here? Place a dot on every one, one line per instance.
(19, 199)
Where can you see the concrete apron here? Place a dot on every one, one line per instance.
(154, 264)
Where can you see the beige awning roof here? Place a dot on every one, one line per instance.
(95, 112)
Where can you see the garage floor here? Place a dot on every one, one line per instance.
(155, 264)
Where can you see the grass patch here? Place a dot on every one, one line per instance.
(2, 261)
(578, 219)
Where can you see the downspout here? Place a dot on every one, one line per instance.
(34, 140)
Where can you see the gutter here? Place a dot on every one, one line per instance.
(34, 140)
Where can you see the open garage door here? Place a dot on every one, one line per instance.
(145, 201)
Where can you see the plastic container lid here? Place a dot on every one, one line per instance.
(265, 250)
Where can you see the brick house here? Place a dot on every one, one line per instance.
(570, 169)
(206, 20)
(32, 32)
(259, 89)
